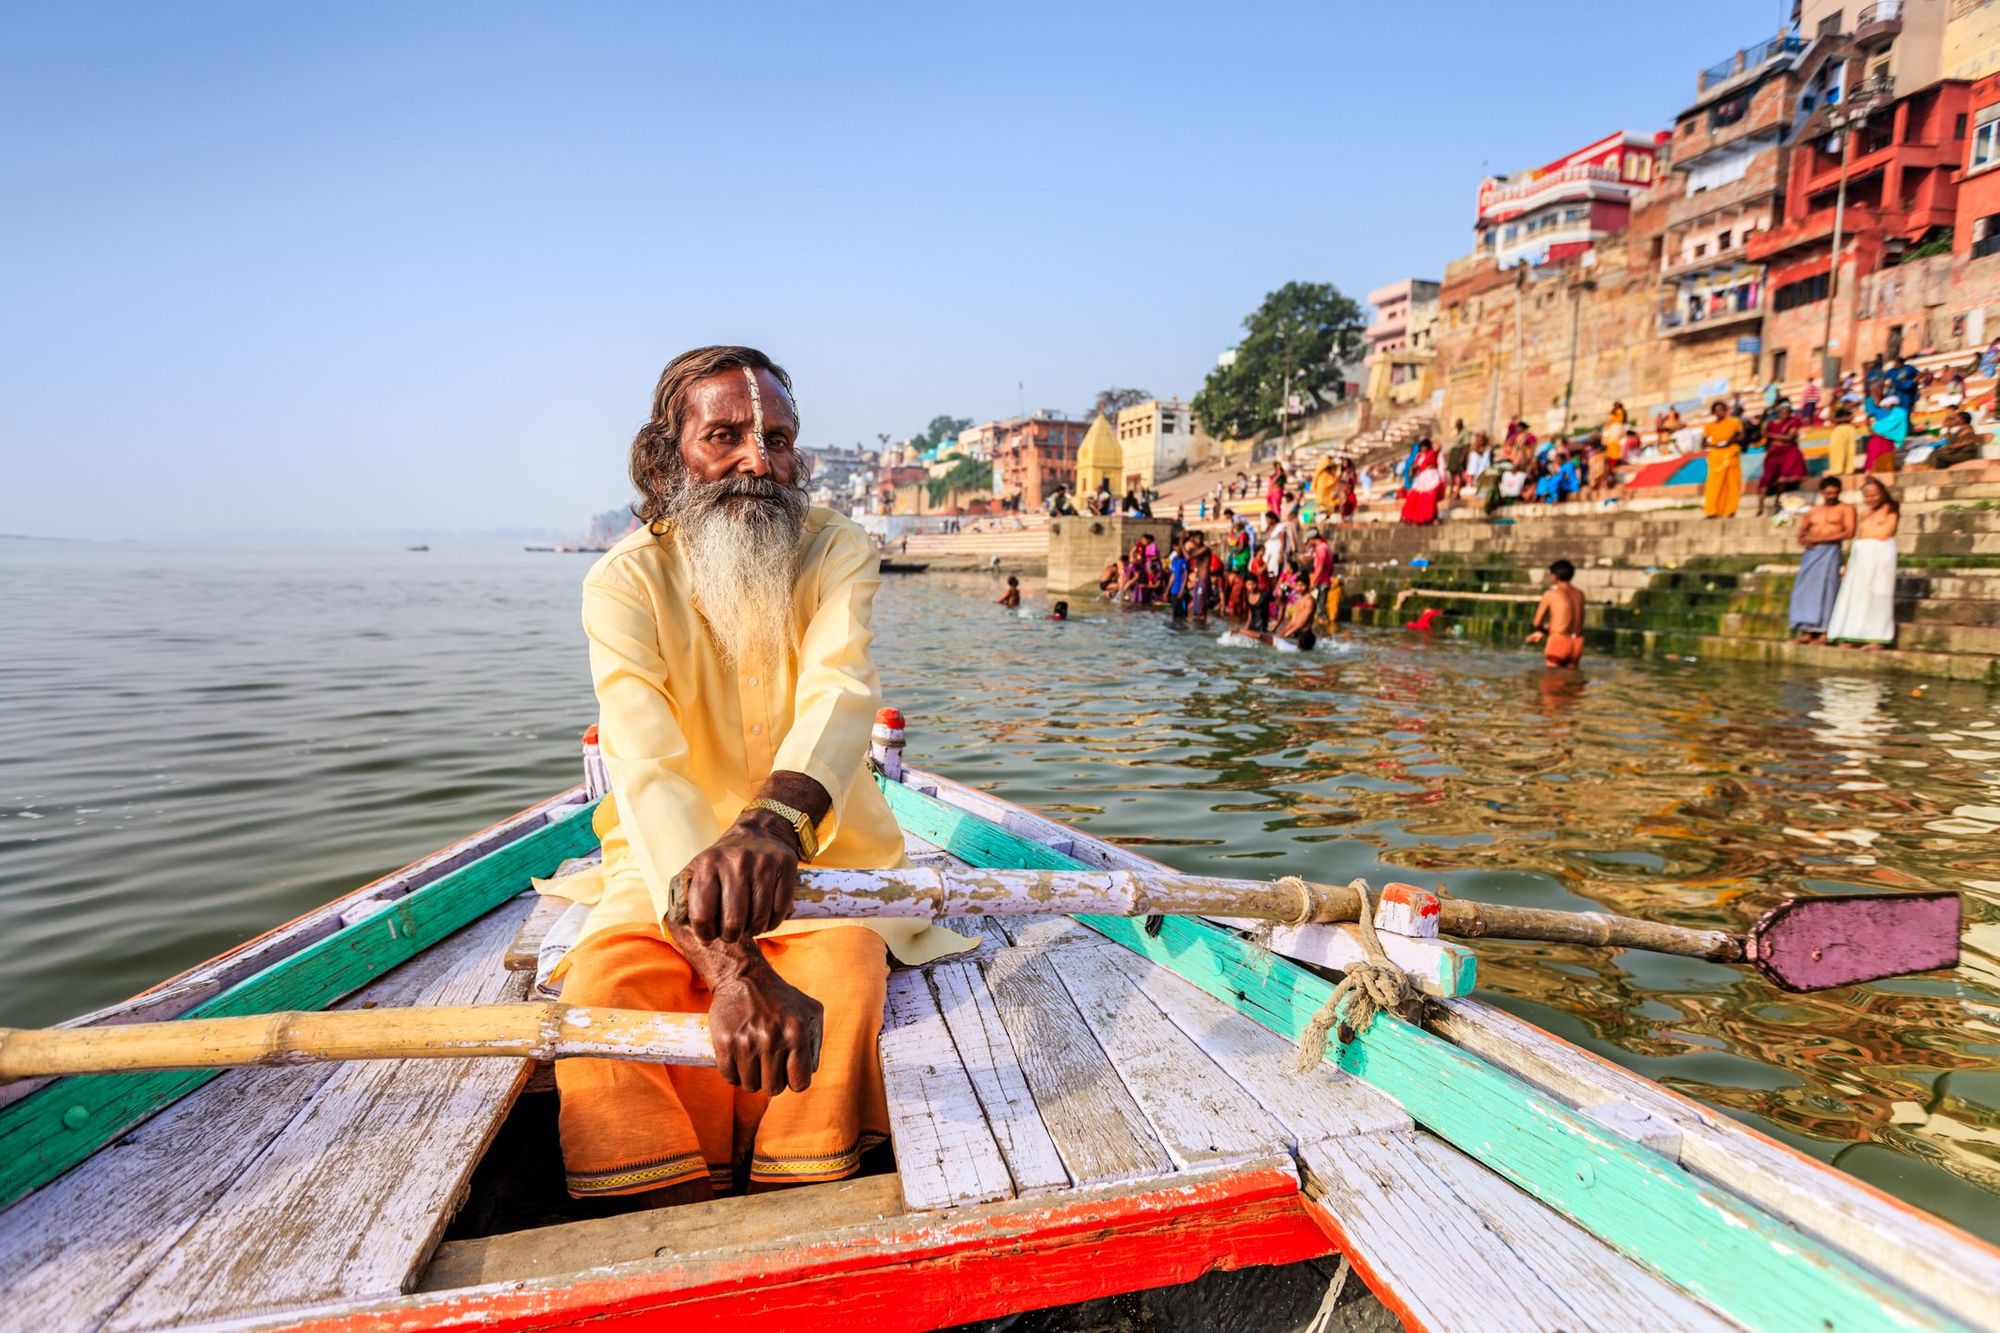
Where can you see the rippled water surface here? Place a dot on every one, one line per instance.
(196, 744)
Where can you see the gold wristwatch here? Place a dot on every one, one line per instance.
(801, 823)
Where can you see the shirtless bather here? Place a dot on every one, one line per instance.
(1559, 619)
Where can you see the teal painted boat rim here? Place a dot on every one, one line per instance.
(1734, 1255)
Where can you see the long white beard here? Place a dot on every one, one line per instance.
(743, 560)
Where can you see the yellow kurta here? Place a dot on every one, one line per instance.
(687, 739)
(1840, 450)
(1326, 485)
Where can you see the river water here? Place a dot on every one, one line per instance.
(198, 743)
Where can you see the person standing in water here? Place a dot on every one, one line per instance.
(1012, 597)
(1558, 623)
(1823, 529)
(1865, 610)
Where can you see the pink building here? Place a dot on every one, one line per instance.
(1565, 207)
(1389, 330)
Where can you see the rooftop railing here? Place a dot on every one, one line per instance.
(1754, 56)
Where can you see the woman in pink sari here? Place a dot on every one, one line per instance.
(1420, 501)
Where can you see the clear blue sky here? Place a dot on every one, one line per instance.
(342, 268)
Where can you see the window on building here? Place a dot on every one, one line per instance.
(1986, 137)
(1778, 365)
(1700, 250)
(1958, 126)
(1830, 25)
(1803, 292)
(1722, 242)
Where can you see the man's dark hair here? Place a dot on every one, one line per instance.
(1062, 610)
(1831, 483)
(1563, 570)
(1013, 582)
(1305, 639)
(657, 464)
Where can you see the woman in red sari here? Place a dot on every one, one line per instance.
(1420, 501)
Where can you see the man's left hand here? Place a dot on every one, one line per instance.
(741, 885)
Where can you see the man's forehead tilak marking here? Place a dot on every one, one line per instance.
(756, 416)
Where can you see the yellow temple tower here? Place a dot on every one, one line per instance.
(1099, 458)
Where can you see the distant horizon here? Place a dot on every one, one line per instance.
(415, 269)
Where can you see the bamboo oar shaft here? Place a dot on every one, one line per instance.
(543, 1031)
(933, 893)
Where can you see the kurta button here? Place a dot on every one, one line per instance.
(753, 680)
(756, 729)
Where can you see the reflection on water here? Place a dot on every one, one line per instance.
(195, 745)
(1696, 793)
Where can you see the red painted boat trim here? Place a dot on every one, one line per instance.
(916, 1274)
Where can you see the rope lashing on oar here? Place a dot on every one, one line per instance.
(1366, 990)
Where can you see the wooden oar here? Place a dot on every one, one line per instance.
(542, 1031)
(1802, 944)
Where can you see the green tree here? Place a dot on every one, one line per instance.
(966, 476)
(1110, 401)
(940, 430)
(1302, 334)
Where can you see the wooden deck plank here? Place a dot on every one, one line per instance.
(71, 1251)
(945, 1150)
(351, 1197)
(1098, 1129)
(986, 929)
(1606, 1289)
(1958, 1271)
(1423, 1251)
(988, 1058)
(1327, 1103)
(1200, 1114)
(1703, 1238)
(527, 941)
(839, 1255)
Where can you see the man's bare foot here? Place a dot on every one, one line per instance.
(1874, 647)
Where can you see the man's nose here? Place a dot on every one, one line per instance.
(753, 459)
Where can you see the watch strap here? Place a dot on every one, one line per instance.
(801, 822)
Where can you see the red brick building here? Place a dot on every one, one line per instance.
(1035, 454)
(1902, 197)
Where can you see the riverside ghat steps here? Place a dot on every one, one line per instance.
(1667, 582)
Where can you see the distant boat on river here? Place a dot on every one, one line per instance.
(563, 548)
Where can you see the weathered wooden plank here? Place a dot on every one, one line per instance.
(1046, 932)
(736, 1263)
(1098, 1129)
(1455, 1246)
(521, 953)
(988, 1058)
(945, 1151)
(1606, 1289)
(1322, 1104)
(62, 1124)
(1703, 1239)
(1201, 1116)
(352, 1196)
(71, 1251)
(1957, 1271)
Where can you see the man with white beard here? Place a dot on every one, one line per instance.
(729, 645)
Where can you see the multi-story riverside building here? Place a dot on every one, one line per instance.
(1562, 209)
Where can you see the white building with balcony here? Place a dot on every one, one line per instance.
(1568, 205)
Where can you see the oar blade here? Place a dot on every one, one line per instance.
(1819, 943)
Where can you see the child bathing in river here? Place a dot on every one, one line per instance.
(1559, 619)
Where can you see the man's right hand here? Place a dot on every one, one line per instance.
(766, 1032)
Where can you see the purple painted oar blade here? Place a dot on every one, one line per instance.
(1817, 943)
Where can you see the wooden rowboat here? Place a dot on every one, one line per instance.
(1081, 1108)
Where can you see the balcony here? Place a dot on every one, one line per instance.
(1878, 24)
(1752, 57)
(1735, 254)
(1989, 245)
(1579, 181)
(1678, 323)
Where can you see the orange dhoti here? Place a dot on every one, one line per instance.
(628, 1126)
